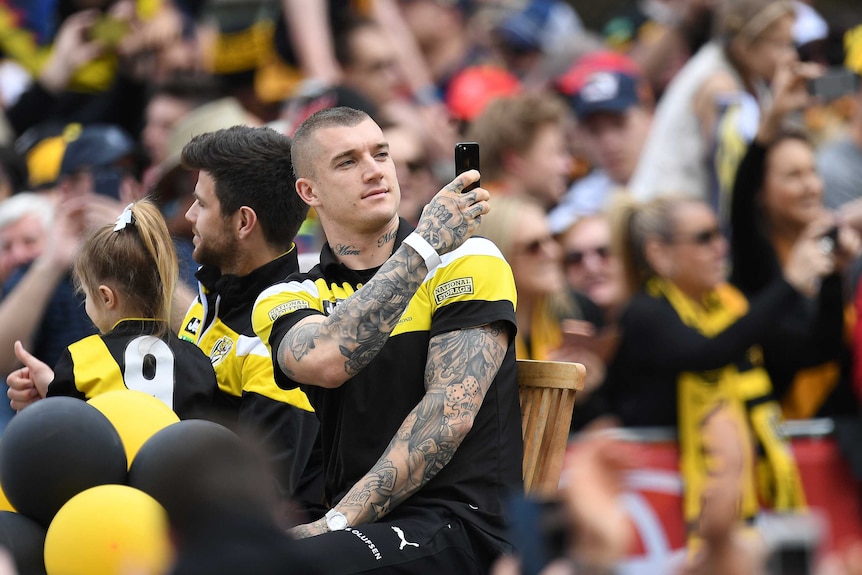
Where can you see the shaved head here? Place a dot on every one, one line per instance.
(305, 148)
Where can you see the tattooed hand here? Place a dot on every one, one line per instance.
(452, 216)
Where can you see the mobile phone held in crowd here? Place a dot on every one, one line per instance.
(467, 158)
(834, 84)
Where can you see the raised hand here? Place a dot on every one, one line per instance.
(28, 384)
(452, 216)
(811, 258)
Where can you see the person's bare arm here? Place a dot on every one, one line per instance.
(328, 350)
(432, 432)
(308, 22)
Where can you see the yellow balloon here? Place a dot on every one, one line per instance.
(4, 502)
(136, 415)
(106, 530)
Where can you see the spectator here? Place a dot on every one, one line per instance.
(24, 223)
(168, 104)
(840, 163)
(591, 266)
(523, 146)
(127, 272)
(777, 195)
(689, 341)
(518, 227)
(451, 358)
(42, 308)
(613, 106)
(731, 73)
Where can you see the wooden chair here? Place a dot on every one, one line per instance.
(547, 390)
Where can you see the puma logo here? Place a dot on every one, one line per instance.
(404, 541)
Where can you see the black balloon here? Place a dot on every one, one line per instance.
(196, 468)
(53, 450)
(24, 539)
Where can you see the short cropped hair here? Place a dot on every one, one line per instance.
(304, 146)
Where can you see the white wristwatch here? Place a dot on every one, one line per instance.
(336, 521)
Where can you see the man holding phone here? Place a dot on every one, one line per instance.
(403, 341)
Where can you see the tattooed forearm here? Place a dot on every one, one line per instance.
(461, 367)
(360, 325)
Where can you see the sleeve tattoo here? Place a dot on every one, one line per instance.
(361, 324)
(460, 368)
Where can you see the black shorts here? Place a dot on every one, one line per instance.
(415, 541)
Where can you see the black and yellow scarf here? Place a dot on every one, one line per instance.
(770, 474)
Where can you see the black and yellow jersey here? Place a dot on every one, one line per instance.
(131, 357)
(473, 287)
(219, 323)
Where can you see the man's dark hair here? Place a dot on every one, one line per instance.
(251, 167)
(303, 149)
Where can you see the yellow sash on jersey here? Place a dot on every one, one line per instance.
(545, 334)
(769, 470)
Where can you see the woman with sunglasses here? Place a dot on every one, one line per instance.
(689, 341)
(518, 226)
(777, 195)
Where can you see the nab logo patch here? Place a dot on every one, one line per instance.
(193, 326)
(221, 349)
(450, 289)
(284, 308)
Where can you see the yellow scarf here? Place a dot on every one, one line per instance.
(770, 473)
(545, 334)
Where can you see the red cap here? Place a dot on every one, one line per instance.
(577, 75)
(472, 88)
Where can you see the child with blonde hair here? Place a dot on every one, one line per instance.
(127, 272)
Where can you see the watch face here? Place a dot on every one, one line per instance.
(336, 521)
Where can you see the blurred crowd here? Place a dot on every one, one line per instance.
(678, 190)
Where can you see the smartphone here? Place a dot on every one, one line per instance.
(467, 158)
(834, 84)
(109, 31)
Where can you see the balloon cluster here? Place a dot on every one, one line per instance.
(70, 504)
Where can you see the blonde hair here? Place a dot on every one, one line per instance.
(748, 19)
(632, 224)
(497, 226)
(139, 259)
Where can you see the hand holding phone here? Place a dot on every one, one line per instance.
(834, 84)
(466, 159)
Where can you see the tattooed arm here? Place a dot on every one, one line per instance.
(460, 368)
(327, 351)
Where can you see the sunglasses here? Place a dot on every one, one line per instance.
(576, 257)
(702, 238)
(534, 247)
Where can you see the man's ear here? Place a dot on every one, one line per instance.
(305, 189)
(246, 221)
(107, 296)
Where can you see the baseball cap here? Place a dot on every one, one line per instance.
(603, 81)
(95, 145)
(474, 87)
(605, 92)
